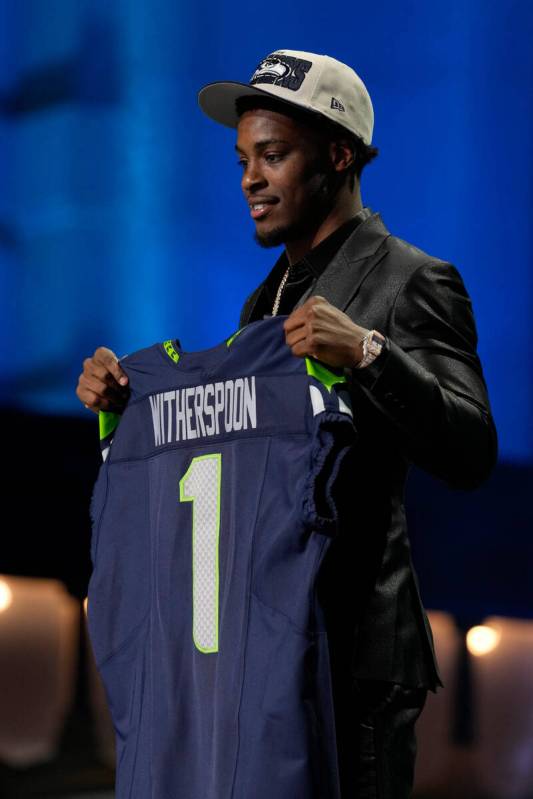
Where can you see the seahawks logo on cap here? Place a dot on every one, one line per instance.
(282, 70)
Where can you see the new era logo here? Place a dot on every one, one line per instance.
(337, 105)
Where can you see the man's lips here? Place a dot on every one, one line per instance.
(260, 208)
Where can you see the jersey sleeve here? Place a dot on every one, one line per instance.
(333, 438)
(108, 422)
(96, 507)
(107, 425)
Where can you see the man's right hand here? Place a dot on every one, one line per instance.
(102, 386)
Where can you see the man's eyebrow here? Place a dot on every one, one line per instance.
(260, 145)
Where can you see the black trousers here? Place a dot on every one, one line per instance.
(376, 741)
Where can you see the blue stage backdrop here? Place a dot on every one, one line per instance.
(121, 217)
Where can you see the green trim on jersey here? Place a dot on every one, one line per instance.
(228, 342)
(107, 422)
(323, 374)
(170, 351)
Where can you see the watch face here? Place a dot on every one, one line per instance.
(375, 344)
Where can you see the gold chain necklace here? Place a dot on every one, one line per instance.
(280, 289)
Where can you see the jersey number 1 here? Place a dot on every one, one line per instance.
(201, 485)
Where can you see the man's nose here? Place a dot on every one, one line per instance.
(252, 177)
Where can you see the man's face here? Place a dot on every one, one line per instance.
(284, 165)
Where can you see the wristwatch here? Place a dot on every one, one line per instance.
(372, 345)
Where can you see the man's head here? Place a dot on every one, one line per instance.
(304, 125)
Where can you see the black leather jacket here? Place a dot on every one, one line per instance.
(423, 401)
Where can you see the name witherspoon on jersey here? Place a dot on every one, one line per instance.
(216, 407)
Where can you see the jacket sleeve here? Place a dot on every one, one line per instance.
(429, 382)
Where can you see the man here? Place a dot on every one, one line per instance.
(400, 323)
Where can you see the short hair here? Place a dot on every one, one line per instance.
(328, 130)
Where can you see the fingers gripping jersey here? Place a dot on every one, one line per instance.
(212, 512)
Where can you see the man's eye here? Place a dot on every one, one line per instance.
(271, 157)
(241, 162)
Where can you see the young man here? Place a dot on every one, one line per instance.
(400, 323)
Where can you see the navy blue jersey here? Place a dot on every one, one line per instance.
(212, 512)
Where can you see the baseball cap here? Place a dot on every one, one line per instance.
(317, 83)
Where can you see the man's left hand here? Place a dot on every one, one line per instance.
(320, 330)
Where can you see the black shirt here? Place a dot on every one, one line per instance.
(305, 272)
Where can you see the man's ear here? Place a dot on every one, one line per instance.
(341, 154)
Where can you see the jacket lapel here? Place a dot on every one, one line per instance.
(359, 255)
